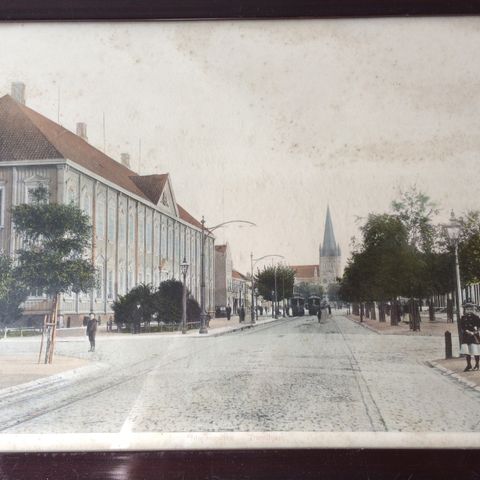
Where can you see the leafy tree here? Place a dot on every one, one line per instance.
(306, 289)
(415, 210)
(333, 292)
(469, 247)
(282, 275)
(12, 292)
(135, 307)
(55, 241)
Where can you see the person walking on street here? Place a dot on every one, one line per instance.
(242, 315)
(229, 312)
(470, 336)
(329, 309)
(319, 314)
(92, 331)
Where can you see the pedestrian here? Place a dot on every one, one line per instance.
(329, 309)
(229, 312)
(470, 336)
(242, 314)
(319, 314)
(92, 331)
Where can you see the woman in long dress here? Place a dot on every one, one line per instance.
(470, 333)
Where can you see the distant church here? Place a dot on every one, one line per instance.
(328, 268)
(330, 254)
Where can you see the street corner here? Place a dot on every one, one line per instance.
(20, 369)
(454, 368)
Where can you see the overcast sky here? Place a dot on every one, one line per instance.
(270, 121)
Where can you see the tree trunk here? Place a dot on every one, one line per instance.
(431, 310)
(53, 331)
(373, 314)
(362, 311)
(394, 313)
(449, 310)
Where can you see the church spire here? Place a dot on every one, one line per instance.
(329, 246)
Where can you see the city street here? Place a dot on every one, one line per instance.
(290, 375)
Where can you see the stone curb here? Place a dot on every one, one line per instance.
(364, 325)
(452, 374)
(50, 379)
(242, 327)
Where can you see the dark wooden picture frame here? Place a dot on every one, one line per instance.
(244, 464)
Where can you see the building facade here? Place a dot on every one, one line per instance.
(140, 234)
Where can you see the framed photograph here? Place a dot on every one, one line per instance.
(249, 239)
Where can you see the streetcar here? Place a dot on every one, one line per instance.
(298, 306)
(314, 303)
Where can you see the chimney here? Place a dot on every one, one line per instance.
(18, 92)
(82, 131)
(125, 159)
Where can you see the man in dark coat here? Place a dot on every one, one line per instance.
(470, 336)
(92, 331)
(242, 314)
(229, 312)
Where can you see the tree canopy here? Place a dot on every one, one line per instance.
(12, 292)
(306, 289)
(281, 275)
(55, 239)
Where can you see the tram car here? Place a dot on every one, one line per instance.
(314, 304)
(298, 306)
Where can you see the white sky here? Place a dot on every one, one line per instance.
(269, 121)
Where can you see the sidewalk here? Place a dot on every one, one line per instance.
(22, 368)
(453, 367)
(427, 328)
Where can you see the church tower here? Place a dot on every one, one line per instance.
(330, 255)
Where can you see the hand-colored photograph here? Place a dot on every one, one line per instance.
(240, 234)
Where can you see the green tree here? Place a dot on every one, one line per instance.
(55, 241)
(280, 275)
(135, 307)
(416, 210)
(12, 292)
(306, 289)
(333, 292)
(469, 247)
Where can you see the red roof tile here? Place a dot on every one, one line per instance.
(28, 135)
(238, 275)
(305, 271)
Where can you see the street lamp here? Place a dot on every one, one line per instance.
(203, 314)
(453, 232)
(256, 303)
(253, 262)
(184, 269)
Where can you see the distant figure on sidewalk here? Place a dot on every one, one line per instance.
(329, 309)
(319, 314)
(241, 314)
(229, 312)
(470, 333)
(92, 331)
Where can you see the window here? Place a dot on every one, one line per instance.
(2, 206)
(130, 278)
(100, 216)
(86, 203)
(111, 222)
(110, 285)
(163, 240)
(121, 227)
(149, 236)
(131, 228)
(99, 292)
(71, 194)
(141, 232)
(29, 189)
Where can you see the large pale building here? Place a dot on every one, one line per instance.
(140, 233)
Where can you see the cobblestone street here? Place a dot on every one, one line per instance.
(290, 375)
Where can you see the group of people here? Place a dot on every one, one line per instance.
(319, 312)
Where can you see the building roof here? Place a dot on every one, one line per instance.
(151, 185)
(305, 271)
(238, 275)
(28, 135)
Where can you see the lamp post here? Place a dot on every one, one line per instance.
(253, 262)
(203, 314)
(453, 232)
(136, 327)
(275, 280)
(184, 269)
(256, 303)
